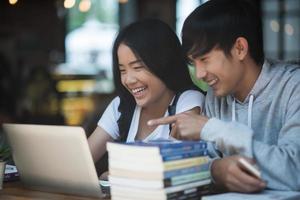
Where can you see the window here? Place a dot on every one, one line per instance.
(91, 30)
(281, 19)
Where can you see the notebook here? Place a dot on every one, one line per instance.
(53, 159)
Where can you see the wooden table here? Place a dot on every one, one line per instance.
(16, 191)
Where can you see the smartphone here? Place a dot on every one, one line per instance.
(251, 169)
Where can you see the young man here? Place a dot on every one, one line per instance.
(252, 107)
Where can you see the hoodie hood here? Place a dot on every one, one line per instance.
(264, 78)
(261, 83)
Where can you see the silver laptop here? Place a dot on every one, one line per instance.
(53, 158)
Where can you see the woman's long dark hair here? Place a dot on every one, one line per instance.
(156, 44)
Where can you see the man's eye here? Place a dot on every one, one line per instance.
(204, 59)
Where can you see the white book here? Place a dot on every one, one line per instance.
(163, 166)
(152, 184)
(135, 166)
(129, 173)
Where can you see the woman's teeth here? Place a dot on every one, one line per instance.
(138, 90)
(212, 82)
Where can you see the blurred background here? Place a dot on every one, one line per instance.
(55, 55)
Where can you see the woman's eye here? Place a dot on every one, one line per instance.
(122, 71)
(139, 67)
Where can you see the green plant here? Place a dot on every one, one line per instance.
(4, 153)
(199, 83)
(4, 150)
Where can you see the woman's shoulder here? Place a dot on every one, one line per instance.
(190, 99)
(114, 106)
(115, 102)
(192, 92)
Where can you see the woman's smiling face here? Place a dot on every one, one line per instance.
(146, 88)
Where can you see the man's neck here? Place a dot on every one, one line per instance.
(250, 77)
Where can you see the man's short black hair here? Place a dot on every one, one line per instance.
(218, 23)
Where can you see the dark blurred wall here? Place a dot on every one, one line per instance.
(32, 34)
(164, 10)
(135, 10)
(33, 29)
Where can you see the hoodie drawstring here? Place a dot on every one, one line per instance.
(250, 105)
(233, 110)
(250, 110)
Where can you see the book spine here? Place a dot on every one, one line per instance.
(182, 147)
(185, 163)
(184, 171)
(178, 180)
(191, 193)
(181, 155)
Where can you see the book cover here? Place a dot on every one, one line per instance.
(154, 159)
(160, 147)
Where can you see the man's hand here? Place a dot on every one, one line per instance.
(104, 176)
(229, 173)
(186, 125)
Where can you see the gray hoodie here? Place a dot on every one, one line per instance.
(266, 126)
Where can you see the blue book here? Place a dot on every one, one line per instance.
(167, 147)
(185, 154)
(187, 178)
(184, 171)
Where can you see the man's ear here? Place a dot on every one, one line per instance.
(241, 48)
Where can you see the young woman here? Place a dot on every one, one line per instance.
(150, 73)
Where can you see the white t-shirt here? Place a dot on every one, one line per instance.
(186, 101)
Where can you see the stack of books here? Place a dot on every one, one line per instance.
(11, 173)
(158, 169)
